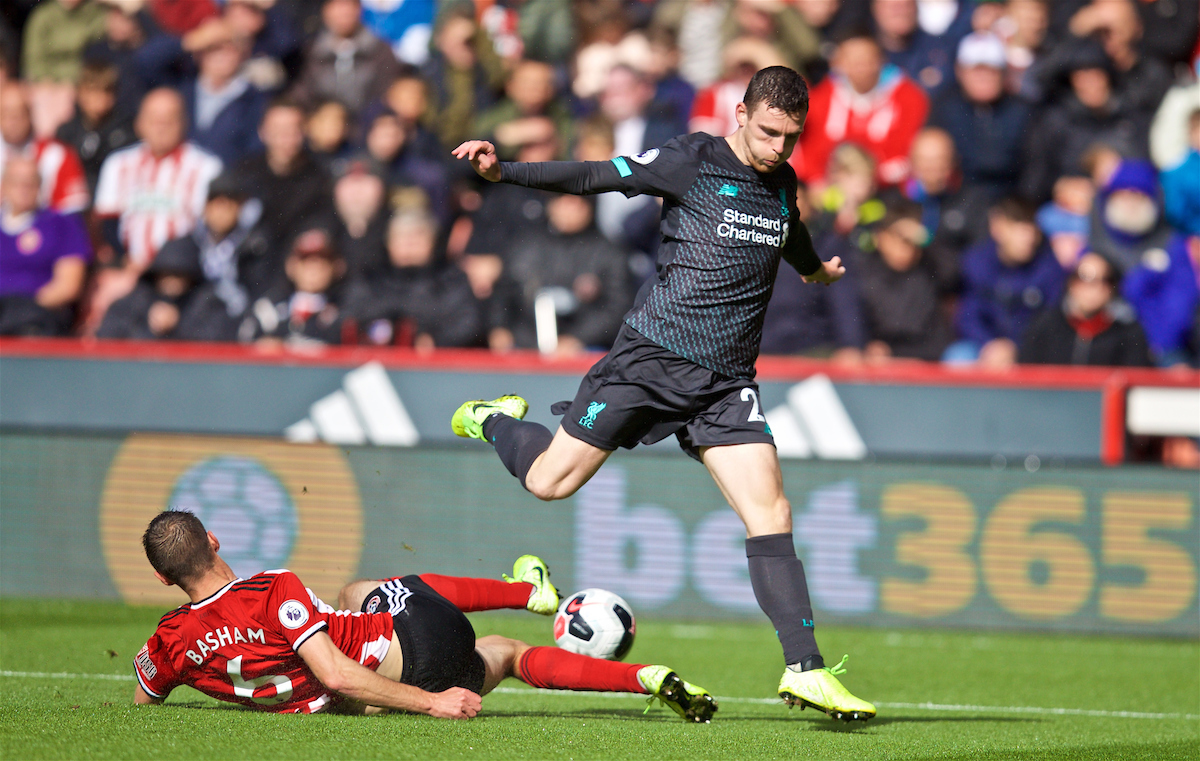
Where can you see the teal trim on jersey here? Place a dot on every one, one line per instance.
(728, 190)
(783, 200)
(622, 166)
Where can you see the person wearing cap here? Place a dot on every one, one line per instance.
(171, 301)
(988, 125)
(1088, 113)
(1090, 326)
(305, 310)
(224, 108)
(1129, 229)
(1140, 80)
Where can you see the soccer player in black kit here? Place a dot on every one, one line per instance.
(683, 362)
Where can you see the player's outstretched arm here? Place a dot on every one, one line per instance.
(575, 177)
(348, 677)
(830, 272)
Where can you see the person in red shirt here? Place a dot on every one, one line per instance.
(865, 101)
(64, 185)
(269, 643)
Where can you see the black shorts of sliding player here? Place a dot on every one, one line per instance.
(517, 442)
(436, 639)
(777, 576)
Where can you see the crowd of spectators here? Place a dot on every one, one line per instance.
(1007, 180)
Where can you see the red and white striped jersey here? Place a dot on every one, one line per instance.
(156, 198)
(240, 644)
(64, 185)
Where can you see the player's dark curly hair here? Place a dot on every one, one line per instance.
(176, 545)
(779, 87)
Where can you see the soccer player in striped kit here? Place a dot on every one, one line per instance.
(267, 642)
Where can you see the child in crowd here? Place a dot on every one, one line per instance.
(1006, 280)
(328, 133)
(848, 199)
(304, 311)
(418, 299)
(898, 290)
(97, 129)
(170, 301)
(1064, 220)
(233, 252)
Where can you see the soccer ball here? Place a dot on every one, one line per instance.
(595, 622)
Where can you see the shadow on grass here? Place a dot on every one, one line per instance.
(830, 725)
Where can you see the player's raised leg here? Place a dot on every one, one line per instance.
(554, 668)
(749, 477)
(549, 466)
(528, 588)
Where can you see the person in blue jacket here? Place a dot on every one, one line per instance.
(1007, 278)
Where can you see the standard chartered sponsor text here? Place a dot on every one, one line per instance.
(733, 227)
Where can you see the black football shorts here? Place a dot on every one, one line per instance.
(436, 639)
(643, 393)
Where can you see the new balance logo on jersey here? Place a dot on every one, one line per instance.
(728, 190)
(145, 664)
(594, 409)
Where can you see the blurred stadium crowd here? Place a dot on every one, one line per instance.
(1012, 181)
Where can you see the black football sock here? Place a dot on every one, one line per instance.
(777, 576)
(518, 442)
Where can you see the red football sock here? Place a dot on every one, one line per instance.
(470, 595)
(557, 669)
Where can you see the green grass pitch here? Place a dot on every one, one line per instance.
(941, 695)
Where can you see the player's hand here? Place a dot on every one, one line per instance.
(455, 703)
(830, 272)
(482, 156)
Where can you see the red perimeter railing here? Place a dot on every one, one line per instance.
(1112, 382)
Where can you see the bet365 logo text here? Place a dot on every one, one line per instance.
(1044, 554)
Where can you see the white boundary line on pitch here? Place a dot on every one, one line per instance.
(753, 701)
(918, 706)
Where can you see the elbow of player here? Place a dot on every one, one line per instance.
(338, 681)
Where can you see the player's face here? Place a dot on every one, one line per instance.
(769, 135)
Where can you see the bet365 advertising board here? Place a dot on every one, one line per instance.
(883, 544)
